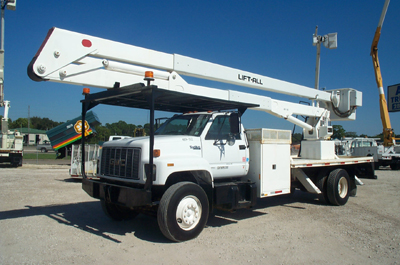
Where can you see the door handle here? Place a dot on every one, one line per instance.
(242, 147)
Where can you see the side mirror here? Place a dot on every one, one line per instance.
(234, 122)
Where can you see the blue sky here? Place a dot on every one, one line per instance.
(271, 38)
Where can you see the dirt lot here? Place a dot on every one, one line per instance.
(45, 218)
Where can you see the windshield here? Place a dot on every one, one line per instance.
(184, 125)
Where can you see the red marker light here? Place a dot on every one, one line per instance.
(86, 43)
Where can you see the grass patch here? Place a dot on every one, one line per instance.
(43, 156)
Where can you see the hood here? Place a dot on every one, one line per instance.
(158, 140)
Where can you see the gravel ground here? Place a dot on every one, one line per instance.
(46, 218)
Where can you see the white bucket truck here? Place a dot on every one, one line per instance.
(202, 159)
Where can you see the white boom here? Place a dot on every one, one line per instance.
(75, 58)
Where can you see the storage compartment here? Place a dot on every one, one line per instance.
(270, 161)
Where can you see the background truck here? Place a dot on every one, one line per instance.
(11, 142)
(389, 152)
(383, 156)
(202, 159)
(44, 147)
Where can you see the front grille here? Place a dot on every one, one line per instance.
(120, 162)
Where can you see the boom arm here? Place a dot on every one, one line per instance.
(388, 135)
(75, 58)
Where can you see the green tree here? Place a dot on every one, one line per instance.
(102, 134)
(43, 123)
(338, 132)
(350, 134)
(19, 123)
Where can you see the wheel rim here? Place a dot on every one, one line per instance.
(188, 213)
(342, 187)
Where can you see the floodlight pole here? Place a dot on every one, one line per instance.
(317, 42)
(330, 42)
(318, 58)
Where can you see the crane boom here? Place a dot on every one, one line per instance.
(388, 134)
(74, 58)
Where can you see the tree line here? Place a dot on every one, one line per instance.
(34, 123)
(103, 132)
(119, 128)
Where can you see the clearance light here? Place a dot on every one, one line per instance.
(86, 91)
(170, 164)
(156, 152)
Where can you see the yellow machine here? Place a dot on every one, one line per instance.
(388, 134)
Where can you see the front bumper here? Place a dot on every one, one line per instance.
(126, 196)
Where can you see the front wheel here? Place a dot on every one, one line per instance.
(183, 211)
(43, 150)
(338, 184)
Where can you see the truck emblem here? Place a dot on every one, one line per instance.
(117, 162)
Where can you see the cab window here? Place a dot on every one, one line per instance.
(220, 129)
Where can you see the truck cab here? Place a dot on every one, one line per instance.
(213, 143)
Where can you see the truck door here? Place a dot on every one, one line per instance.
(226, 153)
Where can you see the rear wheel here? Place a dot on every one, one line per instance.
(321, 184)
(183, 211)
(117, 212)
(395, 166)
(338, 184)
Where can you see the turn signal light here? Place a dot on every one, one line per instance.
(156, 152)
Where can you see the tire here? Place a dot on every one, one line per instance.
(338, 185)
(183, 211)
(395, 166)
(321, 184)
(43, 150)
(117, 212)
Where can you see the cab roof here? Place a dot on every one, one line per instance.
(138, 96)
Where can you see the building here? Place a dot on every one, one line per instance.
(33, 136)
